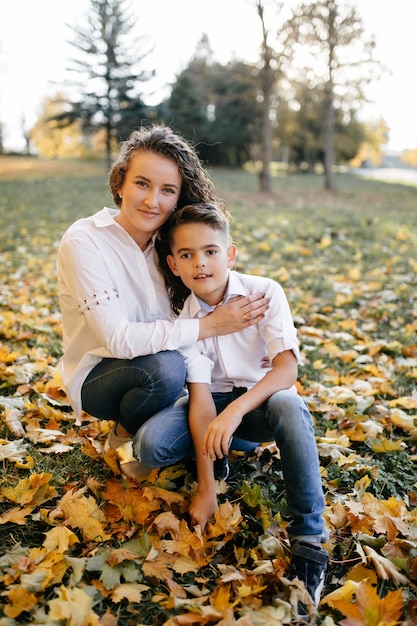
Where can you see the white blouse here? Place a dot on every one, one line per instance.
(113, 300)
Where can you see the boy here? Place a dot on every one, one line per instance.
(230, 391)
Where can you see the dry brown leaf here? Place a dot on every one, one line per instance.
(385, 568)
(132, 592)
(84, 513)
(19, 601)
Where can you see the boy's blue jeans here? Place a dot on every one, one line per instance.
(165, 439)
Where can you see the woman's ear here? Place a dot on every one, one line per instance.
(231, 255)
(172, 265)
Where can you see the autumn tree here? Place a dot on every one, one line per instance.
(370, 150)
(108, 71)
(336, 57)
(301, 130)
(53, 141)
(410, 157)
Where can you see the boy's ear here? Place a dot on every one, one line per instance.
(172, 265)
(231, 255)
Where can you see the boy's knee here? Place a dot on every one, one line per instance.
(289, 411)
(288, 400)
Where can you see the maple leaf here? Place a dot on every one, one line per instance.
(367, 609)
(167, 524)
(407, 402)
(19, 600)
(113, 567)
(384, 444)
(16, 515)
(13, 451)
(73, 607)
(12, 418)
(60, 538)
(78, 566)
(403, 420)
(84, 513)
(129, 592)
(158, 565)
(12, 402)
(34, 490)
(227, 519)
(384, 567)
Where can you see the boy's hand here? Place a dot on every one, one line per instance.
(219, 433)
(202, 507)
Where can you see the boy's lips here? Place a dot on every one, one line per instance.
(201, 276)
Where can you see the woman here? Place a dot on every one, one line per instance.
(119, 336)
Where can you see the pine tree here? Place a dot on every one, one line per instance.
(107, 73)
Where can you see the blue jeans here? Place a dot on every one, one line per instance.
(130, 391)
(165, 440)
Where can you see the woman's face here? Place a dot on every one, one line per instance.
(149, 194)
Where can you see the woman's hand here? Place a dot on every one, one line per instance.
(238, 313)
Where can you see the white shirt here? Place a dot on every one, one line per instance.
(236, 359)
(113, 300)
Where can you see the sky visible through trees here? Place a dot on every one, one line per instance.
(30, 72)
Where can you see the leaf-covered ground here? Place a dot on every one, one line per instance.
(81, 546)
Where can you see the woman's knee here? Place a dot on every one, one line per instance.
(170, 369)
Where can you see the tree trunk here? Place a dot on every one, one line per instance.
(267, 82)
(329, 155)
(329, 140)
(266, 154)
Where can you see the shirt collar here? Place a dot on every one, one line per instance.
(105, 218)
(234, 287)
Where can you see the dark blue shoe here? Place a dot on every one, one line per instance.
(221, 468)
(309, 564)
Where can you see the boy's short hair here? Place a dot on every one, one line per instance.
(200, 213)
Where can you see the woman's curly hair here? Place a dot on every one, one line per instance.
(196, 183)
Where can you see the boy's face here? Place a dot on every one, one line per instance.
(201, 257)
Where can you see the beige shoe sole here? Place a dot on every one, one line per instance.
(123, 449)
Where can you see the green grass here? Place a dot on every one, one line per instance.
(347, 261)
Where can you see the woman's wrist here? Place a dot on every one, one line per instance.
(207, 327)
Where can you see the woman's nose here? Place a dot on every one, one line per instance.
(151, 199)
